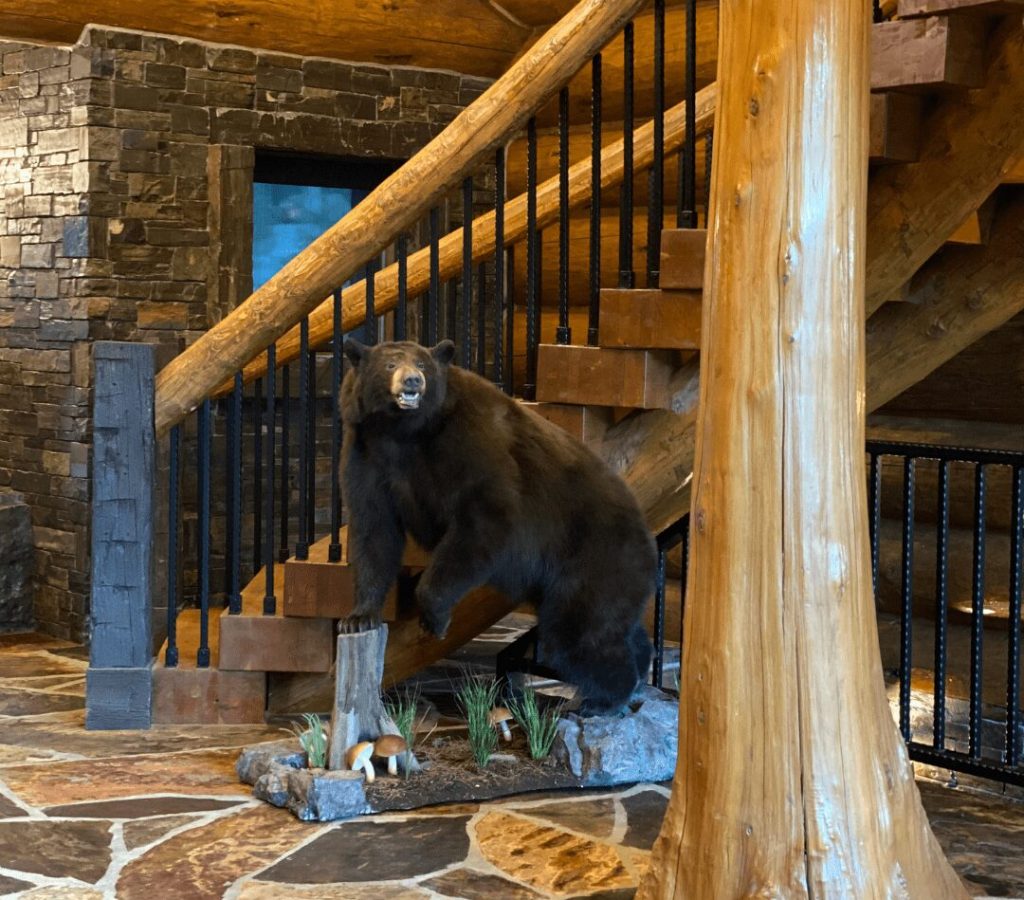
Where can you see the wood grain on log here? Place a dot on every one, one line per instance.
(401, 199)
(792, 779)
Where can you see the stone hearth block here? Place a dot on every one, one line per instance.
(16, 547)
(639, 746)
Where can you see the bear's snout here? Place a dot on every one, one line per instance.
(407, 387)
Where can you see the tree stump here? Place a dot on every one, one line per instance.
(359, 713)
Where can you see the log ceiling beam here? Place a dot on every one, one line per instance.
(488, 37)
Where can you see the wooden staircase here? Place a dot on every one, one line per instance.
(646, 337)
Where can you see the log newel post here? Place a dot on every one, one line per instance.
(359, 713)
(792, 780)
(119, 678)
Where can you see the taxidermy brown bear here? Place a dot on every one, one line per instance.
(499, 496)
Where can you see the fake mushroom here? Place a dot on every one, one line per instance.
(390, 745)
(501, 716)
(358, 757)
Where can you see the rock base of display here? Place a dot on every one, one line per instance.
(638, 746)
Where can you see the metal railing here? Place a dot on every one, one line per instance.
(985, 746)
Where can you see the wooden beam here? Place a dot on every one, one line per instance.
(1014, 173)
(609, 377)
(413, 33)
(401, 199)
(927, 54)
(895, 135)
(450, 246)
(781, 738)
(911, 8)
(970, 142)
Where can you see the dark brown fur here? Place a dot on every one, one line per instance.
(499, 496)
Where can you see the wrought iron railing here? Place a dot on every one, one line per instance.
(980, 753)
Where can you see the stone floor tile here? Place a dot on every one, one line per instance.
(68, 735)
(21, 702)
(12, 885)
(9, 809)
(593, 817)
(209, 858)
(62, 893)
(467, 884)
(644, 813)
(549, 859)
(376, 851)
(56, 849)
(140, 832)
(66, 684)
(137, 808)
(31, 640)
(20, 663)
(272, 890)
(202, 772)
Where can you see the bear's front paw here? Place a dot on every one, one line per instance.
(355, 624)
(434, 624)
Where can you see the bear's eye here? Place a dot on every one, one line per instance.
(420, 364)
(391, 366)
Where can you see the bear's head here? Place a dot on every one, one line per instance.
(399, 379)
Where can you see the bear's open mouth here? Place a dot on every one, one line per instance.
(408, 399)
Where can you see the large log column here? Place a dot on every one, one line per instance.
(792, 779)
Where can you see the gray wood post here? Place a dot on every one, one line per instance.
(119, 679)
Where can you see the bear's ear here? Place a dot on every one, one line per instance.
(354, 351)
(443, 353)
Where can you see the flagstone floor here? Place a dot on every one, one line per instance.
(160, 814)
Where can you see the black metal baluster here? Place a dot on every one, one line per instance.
(907, 594)
(283, 550)
(874, 515)
(235, 488)
(302, 543)
(481, 320)
(656, 175)
(977, 611)
(334, 548)
(311, 490)
(595, 202)
(229, 498)
(510, 320)
(499, 268)
(563, 334)
(627, 278)
(876, 11)
(658, 660)
(370, 274)
(466, 319)
(533, 273)
(686, 211)
(171, 655)
(403, 285)
(269, 600)
(941, 607)
(257, 488)
(203, 472)
(433, 297)
(1013, 623)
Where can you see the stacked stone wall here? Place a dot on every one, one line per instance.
(126, 164)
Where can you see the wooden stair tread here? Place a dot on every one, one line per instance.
(928, 53)
(908, 9)
(975, 229)
(601, 376)
(650, 319)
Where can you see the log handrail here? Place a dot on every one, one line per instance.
(393, 206)
(353, 298)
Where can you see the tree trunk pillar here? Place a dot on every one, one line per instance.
(792, 780)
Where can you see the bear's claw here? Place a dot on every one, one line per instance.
(355, 624)
(435, 625)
